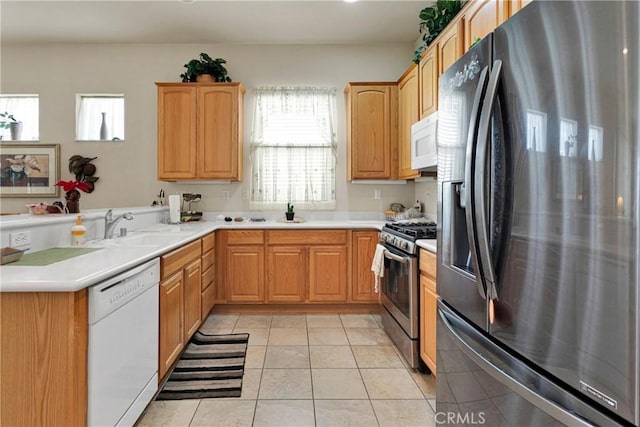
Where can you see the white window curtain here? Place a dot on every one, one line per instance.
(293, 148)
(89, 114)
(25, 109)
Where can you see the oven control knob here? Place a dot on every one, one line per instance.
(403, 245)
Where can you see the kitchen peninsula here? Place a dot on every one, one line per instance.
(45, 310)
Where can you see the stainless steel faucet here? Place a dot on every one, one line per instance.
(110, 222)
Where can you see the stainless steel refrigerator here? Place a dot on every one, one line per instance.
(538, 216)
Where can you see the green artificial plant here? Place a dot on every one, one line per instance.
(6, 119)
(205, 65)
(289, 207)
(434, 19)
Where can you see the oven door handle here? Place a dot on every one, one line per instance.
(394, 257)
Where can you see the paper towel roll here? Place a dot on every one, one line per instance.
(174, 209)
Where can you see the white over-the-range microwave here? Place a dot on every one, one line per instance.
(423, 144)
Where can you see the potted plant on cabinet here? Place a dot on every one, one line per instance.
(8, 121)
(434, 19)
(289, 213)
(205, 69)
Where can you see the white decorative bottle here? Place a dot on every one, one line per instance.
(104, 132)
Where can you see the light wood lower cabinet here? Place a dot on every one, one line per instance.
(295, 266)
(208, 283)
(245, 273)
(363, 247)
(171, 324)
(43, 353)
(328, 274)
(428, 308)
(180, 302)
(287, 273)
(192, 298)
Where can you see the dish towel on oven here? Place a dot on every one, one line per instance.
(377, 266)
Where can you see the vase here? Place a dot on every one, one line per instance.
(289, 215)
(104, 132)
(205, 78)
(72, 207)
(16, 130)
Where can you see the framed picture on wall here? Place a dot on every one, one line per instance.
(29, 170)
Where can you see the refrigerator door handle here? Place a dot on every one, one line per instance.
(462, 333)
(479, 189)
(469, 167)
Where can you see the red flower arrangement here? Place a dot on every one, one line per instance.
(72, 195)
(73, 185)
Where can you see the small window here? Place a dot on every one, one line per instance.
(293, 148)
(24, 110)
(100, 117)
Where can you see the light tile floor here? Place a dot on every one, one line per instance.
(310, 370)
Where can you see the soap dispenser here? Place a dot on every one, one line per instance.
(78, 233)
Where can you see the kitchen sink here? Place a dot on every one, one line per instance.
(141, 240)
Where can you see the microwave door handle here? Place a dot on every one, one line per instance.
(479, 191)
(469, 168)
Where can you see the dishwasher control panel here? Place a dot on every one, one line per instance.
(108, 296)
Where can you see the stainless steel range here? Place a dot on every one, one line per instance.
(400, 285)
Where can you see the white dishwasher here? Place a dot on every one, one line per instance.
(123, 346)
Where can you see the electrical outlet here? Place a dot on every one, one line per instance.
(21, 238)
(225, 195)
(377, 194)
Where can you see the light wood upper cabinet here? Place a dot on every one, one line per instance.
(363, 248)
(328, 273)
(428, 81)
(481, 17)
(287, 273)
(372, 130)
(408, 114)
(220, 124)
(516, 5)
(450, 45)
(200, 131)
(177, 152)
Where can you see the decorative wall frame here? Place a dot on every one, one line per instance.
(29, 170)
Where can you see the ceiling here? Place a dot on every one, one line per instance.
(210, 21)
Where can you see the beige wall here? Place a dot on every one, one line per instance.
(127, 170)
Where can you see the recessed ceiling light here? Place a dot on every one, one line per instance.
(351, 1)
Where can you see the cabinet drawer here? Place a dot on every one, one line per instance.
(428, 263)
(208, 276)
(245, 237)
(208, 259)
(174, 261)
(307, 237)
(208, 242)
(207, 302)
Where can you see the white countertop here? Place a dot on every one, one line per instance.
(89, 269)
(428, 244)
